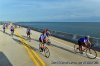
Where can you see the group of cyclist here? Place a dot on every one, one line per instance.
(44, 37)
(5, 26)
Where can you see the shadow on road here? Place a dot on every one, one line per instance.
(5, 33)
(19, 42)
(4, 61)
(25, 37)
(63, 48)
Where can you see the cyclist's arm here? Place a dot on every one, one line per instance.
(41, 38)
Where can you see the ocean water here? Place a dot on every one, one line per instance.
(81, 28)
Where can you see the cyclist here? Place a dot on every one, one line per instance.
(84, 42)
(28, 32)
(4, 27)
(42, 40)
(12, 30)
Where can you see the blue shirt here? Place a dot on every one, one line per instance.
(43, 36)
(83, 40)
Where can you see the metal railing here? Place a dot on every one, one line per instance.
(68, 36)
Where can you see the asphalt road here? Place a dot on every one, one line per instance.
(14, 53)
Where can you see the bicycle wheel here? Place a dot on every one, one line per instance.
(91, 53)
(47, 52)
(76, 48)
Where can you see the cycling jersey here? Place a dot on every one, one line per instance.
(83, 40)
(12, 28)
(42, 37)
(28, 31)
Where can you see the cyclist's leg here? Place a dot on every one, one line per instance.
(42, 46)
(11, 33)
(29, 36)
(80, 45)
(4, 30)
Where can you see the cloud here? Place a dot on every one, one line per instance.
(49, 9)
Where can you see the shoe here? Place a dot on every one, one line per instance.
(81, 52)
(41, 50)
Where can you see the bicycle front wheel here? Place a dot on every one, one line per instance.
(47, 52)
(91, 53)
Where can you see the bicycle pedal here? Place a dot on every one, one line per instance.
(41, 51)
(81, 52)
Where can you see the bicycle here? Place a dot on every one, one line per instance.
(12, 33)
(89, 51)
(45, 50)
(28, 37)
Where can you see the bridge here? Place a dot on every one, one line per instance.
(19, 51)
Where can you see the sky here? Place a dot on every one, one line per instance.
(50, 10)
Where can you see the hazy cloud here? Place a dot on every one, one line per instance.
(50, 10)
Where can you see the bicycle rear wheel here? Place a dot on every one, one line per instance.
(91, 53)
(76, 48)
(47, 52)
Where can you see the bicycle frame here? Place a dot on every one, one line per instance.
(90, 53)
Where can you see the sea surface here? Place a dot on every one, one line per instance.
(81, 28)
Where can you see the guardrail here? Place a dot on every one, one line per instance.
(68, 36)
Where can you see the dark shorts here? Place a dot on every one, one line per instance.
(81, 43)
(41, 41)
(12, 30)
(28, 33)
(3, 28)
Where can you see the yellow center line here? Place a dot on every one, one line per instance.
(29, 48)
(30, 54)
(34, 60)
